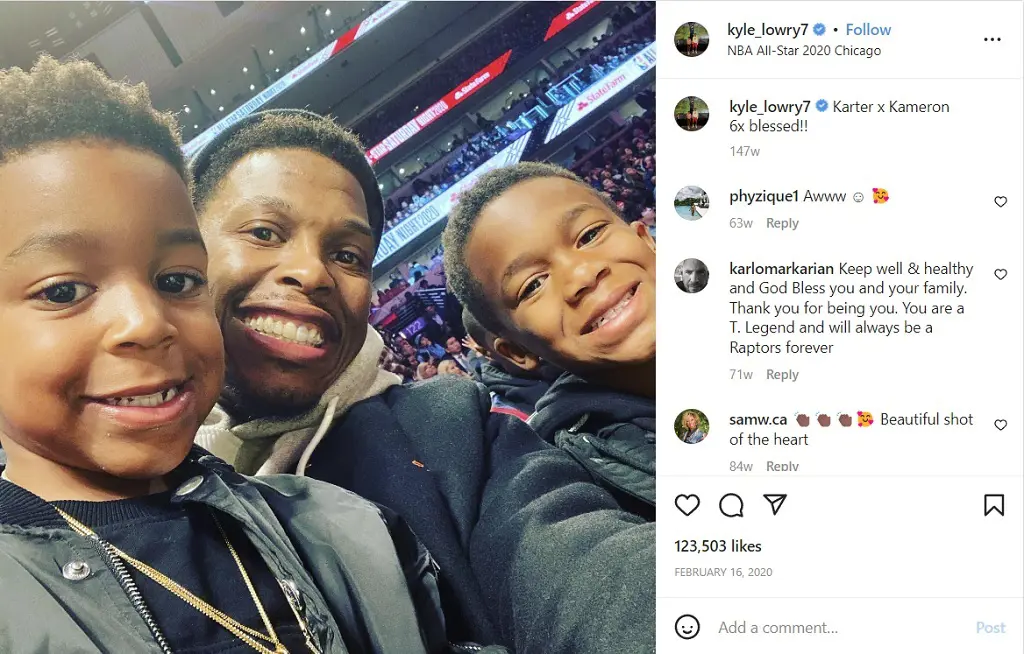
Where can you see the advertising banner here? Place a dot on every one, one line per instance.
(599, 93)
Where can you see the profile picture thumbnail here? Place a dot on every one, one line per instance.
(692, 113)
(692, 426)
(692, 202)
(691, 276)
(692, 39)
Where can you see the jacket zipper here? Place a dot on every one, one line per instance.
(127, 584)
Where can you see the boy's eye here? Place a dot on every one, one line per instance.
(591, 234)
(266, 234)
(65, 293)
(179, 283)
(532, 287)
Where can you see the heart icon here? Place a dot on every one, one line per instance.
(1000, 424)
(1000, 200)
(687, 504)
(1000, 273)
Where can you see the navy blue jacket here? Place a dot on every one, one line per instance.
(509, 519)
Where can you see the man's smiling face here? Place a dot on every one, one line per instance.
(291, 251)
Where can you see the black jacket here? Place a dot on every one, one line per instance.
(508, 518)
(610, 432)
(518, 392)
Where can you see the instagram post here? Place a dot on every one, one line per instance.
(846, 345)
(331, 326)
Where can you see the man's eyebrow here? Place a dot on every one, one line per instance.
(271, 202)
(572, 214)
(286, 209)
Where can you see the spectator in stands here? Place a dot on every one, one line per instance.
(429, 351)
(463, 357)
(449, 367)
(604, 337)
(430, 451)
(436, 328)
(425, 371)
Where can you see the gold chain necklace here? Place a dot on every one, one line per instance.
(242, 632)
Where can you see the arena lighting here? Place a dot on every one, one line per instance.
(220, 108)
(367, 25)
(213, 91)
(245, 69)
(307, 48)
(252, 87)
(195, 127)
(332, 31)
(187, 110)
(327, 13)
(302, 30)
(401, 171)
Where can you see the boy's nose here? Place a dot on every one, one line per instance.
(138, 319)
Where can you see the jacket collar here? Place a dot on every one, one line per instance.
(22, 508)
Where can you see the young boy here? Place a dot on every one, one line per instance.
(574, 286)
(116, 534)
(516, 379)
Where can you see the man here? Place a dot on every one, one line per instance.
(429, 350)
(292, 216)
(692, 276)
(463, 356)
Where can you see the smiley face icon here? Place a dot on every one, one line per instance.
(687, 626)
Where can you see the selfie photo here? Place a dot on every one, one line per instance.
(284, 287)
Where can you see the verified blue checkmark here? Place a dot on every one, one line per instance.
(822, 105)
(819, 28)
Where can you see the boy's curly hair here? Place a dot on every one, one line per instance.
(75, 101)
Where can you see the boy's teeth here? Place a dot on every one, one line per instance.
(286, 330)
(611, 313)
(154, 399)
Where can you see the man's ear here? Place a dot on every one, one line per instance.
(644, 234)
(517, 354)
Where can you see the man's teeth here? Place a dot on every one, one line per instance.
(286, 331)
(611, 313)
(154, 399)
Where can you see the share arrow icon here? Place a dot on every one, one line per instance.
(776, 501)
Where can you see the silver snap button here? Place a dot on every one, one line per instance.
(76, 570)
(190, 485)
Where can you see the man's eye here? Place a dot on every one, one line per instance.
(65, 293)
(349, 258)
(179, 283)
(265, 234)
(591, 234)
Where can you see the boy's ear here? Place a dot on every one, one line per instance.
(645, 234)
(517, 354)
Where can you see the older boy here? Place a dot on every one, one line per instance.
(575, 286)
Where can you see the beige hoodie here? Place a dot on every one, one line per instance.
(268, 446)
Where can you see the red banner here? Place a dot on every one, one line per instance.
(477, 81)
(569, 16)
